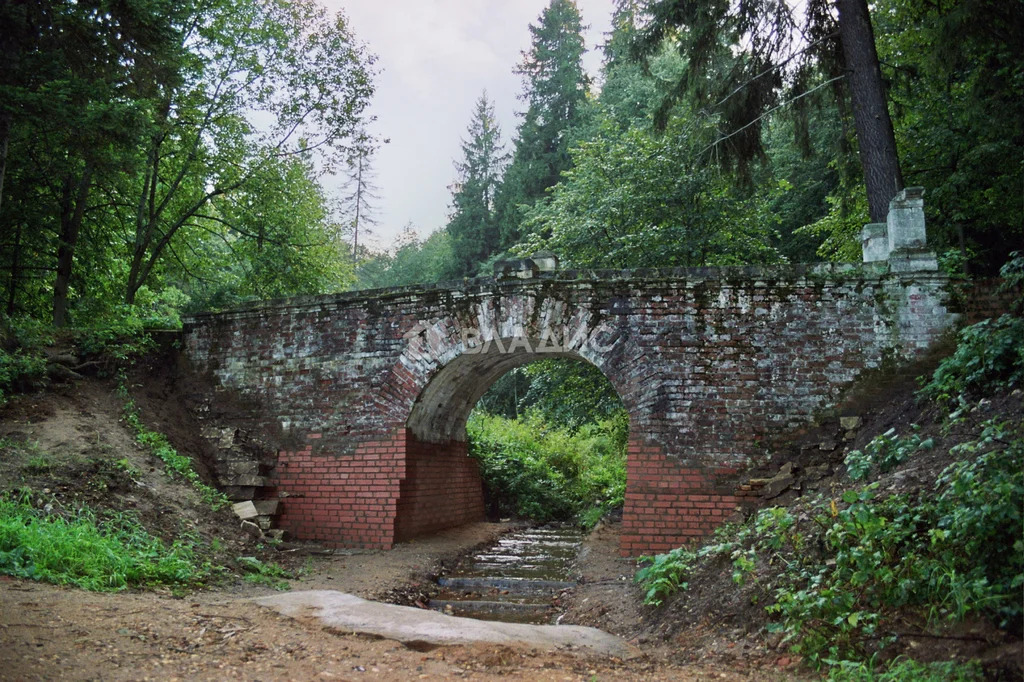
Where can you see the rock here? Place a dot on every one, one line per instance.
(849, 423)
(266, 507)
(246, 480)
(348, 613)
(239, 492)
(778, 485)
(252, 529)
(245, 510)
(817, 472)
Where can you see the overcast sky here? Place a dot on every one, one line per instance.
(436, 57)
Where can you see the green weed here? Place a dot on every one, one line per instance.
(261, 573)
(102, 554)
(157, 443)
(885, 452)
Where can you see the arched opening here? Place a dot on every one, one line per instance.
(444, 487)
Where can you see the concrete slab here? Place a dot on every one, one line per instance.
(420, 627)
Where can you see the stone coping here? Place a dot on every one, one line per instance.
(769, 274)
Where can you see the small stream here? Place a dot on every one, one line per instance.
(514, 580)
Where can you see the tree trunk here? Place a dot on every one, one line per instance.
(875, 137)
(72, 212)
(359, 201)
(5, 136)
(12, 285)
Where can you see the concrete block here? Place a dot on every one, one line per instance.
(245, 510)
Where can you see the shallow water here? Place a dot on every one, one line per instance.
(515, 580)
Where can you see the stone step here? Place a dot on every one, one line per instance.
(509, 585)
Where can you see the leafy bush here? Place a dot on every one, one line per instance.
(119, 337)
(989, 355)
(665, 574)
(885, 452)
(77, 548)
(261, 573)
(535, 471)
(19, 370)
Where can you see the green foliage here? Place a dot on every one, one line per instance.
(533, 470)
(414, 261)
(956, 87)
(103, 554)
(905, 670)
(157, 443)
(665, 574)
(885, 451)
(19, 370)
(473, 227)
(566, 392)
(137, 172)
(640, 198)
(839, 229)
(262, 573)
(555, 91)
(989, 355)
(118, 337)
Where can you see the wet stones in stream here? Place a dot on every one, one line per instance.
(515, 580)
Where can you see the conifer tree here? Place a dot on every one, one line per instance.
(473, 230)
(555, 91)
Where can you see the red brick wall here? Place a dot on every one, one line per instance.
(441, 489)
(985, 298)
(345, 500)
(669, 504)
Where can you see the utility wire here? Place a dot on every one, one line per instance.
(770, 111)
(773, 67)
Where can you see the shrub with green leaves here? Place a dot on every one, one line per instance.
(536, 471)
(989, 355)
(95, 553)
(19, 369)
(884, 452)
(662, 575)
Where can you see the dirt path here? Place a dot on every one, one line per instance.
(50, 633)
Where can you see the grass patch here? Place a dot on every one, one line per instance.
(103, 554)
(259, 572)
(177, 465)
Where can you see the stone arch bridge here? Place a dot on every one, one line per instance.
(370, 391)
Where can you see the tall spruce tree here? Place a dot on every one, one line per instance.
(555, 91)
(473, 229)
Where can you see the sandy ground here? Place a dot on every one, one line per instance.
(53, 633)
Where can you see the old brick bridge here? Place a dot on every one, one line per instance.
(371, 390)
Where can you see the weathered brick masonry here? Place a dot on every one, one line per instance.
(372, 389)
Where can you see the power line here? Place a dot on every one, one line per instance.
(770, 111)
